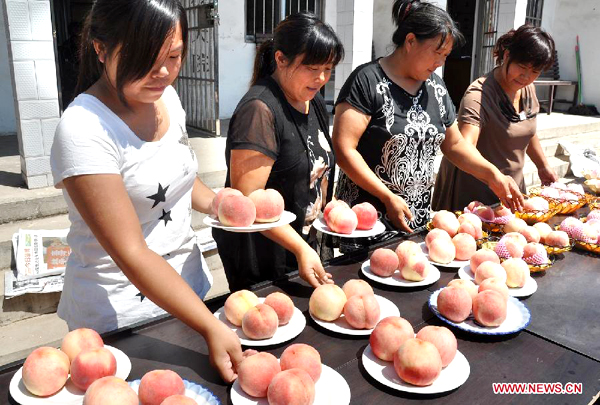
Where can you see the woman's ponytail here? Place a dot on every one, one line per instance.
(264, 62)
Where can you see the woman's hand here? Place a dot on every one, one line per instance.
(507, 191)
(311, 269)
(547, 175)
(398, 211)
(225, 350)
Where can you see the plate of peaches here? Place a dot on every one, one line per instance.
(384, 267)
(261, 321)
(167, 387)
(360, 221)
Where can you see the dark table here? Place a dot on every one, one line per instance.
(561, 344)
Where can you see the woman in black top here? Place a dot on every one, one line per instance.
(279, 138)
(394, 114)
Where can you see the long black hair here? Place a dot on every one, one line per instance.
(137, 28)
(299, 34)
(528, 45)
(425, 21)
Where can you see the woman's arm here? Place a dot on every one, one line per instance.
(468, 159)
(102, 201)
(536, 153)
(202, 197)
(249, 171)
(348, 127)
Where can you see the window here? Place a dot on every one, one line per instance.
(534, 12)
(262, 16)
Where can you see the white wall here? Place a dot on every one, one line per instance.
(8, 124)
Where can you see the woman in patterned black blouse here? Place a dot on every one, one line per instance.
(394, 114)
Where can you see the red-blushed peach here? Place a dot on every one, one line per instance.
(237, 210)
(268, 203)
(464, 245)
(237, 304)
(530, 233)
(362, 311)
(535, 204)
(418, 362)
(447, 221)
(256, 372)
(224, 192)
(557, 239)
(473, 204)
(517, 272)
(510, 246)
(110, 391)
(283, 306)
(179, 400)
(502, 211)
(485, 213)
(291, 387)
(586, 233)
(469, 228)
(483, 255)
(489, 270)
(327, 302)
(45, 371)
(535, 253)
(443, 339)
(91, 365)
(388, 336)
(357, 287)
(407, 249)
(454, 303)
(496, 284)
(489, 308)
(80, 339)
(543, 229)
(331, 205)
(434, 234)
(468, 285)
(569, 224)
(158, 385)
(300, 355)
(515, 236)
(471, 218)
(366, 215)
(342, 220)
(416, 268)
(260, 322)
(384, 262)
(442, 251)
(514, 225)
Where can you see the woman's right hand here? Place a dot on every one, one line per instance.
(398, 212)
(225, 350)
(310, 267)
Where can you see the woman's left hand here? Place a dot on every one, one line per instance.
(507, 191)
(547, 175)
(311, 269)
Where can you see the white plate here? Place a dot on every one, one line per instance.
(396, 279)
(453, 263)
(452, 376)
(284, 333)
(286, 218)
(69, 394)
(331, 389)
(378, 228)
(519, 292)
(387, 308)
(517, 318)
(202, 395)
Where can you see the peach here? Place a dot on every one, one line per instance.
(303, 356)
(291, 387)
(489, 270)
(342, 220)
(237, 210)
(489, 308)
(80, 339)
(535, 253)
(268, 203)
(111, 391)
(517, 272)
(416, 268)
(357, 287)
(514, 225)
(362, 311)
(586, 233)
(327, 302)
(407, 249)
(474, 204)
(454, 303)
(443, 339)
(91, 365)
(496, 284)
(418, 362)
(517, 237)
(389, 334)
(530, 233)
(331, 205)
(485, 213)
(535, 204)
(469, 228)
(483, 255)
(543, 229)
(260, 322)
(467, 285)
(502, 211)
(224, 192)
(569, 224)
(237, 304)
(283, 306)
(158, 385)
(434, 234)
(366, 214)
(465, 246)
(45, 371)
(179, 400)
(557, 239)
(384, 262)
(442, 251)
(509, 247)
(471, 218)
(447, 221)
(256, 372)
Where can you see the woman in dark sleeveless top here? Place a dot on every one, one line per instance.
(279, 138)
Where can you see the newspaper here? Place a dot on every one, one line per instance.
(41, 253)
(14, 287)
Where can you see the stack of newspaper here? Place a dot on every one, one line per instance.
(41, 257)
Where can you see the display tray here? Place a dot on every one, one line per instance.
(528, 289)
(320, 225)
(200, 394)
(286, 218)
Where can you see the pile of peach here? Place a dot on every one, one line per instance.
(234, 209)
(417, 360)
(356, 300)
(408, 258)
(258, 321)
(453, 238)
(291, 380)
(588, 232)
(563, 192)
(340, 218)
(539, 232)
(485, 265)
(498, 215)
(515, 245)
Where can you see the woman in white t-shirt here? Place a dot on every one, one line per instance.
(128, 173)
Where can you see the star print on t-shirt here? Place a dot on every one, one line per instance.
(160, 196)
(166, 216)
(141, 295)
